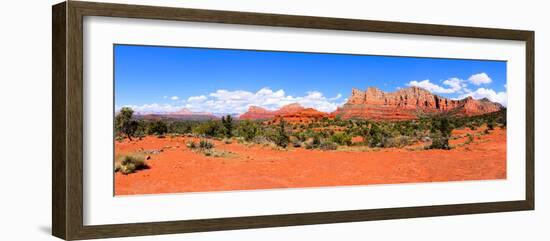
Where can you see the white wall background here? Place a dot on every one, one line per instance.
(25, 121)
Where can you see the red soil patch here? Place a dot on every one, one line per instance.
(178, 169)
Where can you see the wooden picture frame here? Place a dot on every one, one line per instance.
(67, 123)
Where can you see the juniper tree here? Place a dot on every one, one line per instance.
(124, 122)
(227, 123)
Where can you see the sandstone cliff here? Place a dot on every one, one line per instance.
(408, 103)
(259, 113)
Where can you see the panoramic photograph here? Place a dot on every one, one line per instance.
(192, 119)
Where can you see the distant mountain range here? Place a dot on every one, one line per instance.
(183, 114)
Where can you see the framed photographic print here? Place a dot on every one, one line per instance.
(171, 120)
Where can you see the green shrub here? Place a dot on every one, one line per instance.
(130, 164)
(398, 141)
(261, 140)
(119, 138)
(375, 136)
(491, 125)
(328, 145)
(124, 122)
(191, 144)
(248, 130)
(181, 127)
(205, 144)
(440, 133)
(341, 139)
(301, 136)
(157, 128)
(227, 122)
(210, 128)
(470, 138)
(296, 142)
(439, 142)
(280, 137)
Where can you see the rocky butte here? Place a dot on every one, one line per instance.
(409, 103)
(306, 115)
(259, 113)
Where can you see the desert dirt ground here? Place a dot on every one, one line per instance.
(178, 169)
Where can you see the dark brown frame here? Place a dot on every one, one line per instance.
(67, 121)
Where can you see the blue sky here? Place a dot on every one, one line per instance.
(162, 79)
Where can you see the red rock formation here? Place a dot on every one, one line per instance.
(408, 103)
(289, 109)
(259, 113)
(404, 104)
(302, 116)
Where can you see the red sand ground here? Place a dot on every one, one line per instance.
(178, 169)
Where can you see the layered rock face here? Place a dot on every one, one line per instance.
(259, 113)
(304, 116)
(407, 104)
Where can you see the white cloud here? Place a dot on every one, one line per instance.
(174, 98)
(455, 84)
(154, 108)
(196, 98)
(238, 101)
(429, 86)
(499, 97)
(478, 79)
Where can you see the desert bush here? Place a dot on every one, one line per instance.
(191, 144)
(440, 133)
(280, 137)
(210, 128)
(341, 138)
(157, 128)
(240, 140)
(248, 130)
(205, 144)
(296, 142)
(301, 136)
(316, 141)
(141, 130)
(470, 138)
(328, 145)
(263, 140)
(216, 153)
(227, 122)
(374, 136)
(491, 125)
(227, 140)
(181, 127)
(130, 164)
(398, 141)
(439, 142)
